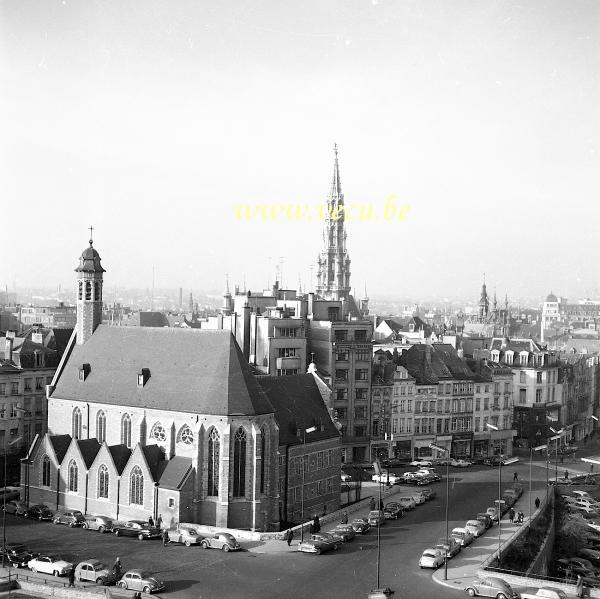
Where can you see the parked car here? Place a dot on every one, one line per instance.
(421, 463)
(429, 493)
(17, 554)
(460, 463)
(407, 503)
(582, 494)
(392, 462)
(476, 527)
(463, 536)
(136, 528)
(392, 511)
(99, 523)
(50, 564)
(94, 570)
(568, 568)
(585, 509)
(345, 477)
(221, 540)
(319, 544)
(491, 586)
(492, 512)
(345, 531)
(39, 512)
(186, 535)
(509, 500)
(588, 502)
(486, 519)
(451, 546)
(360, 525)
(376, 518)
(419, 498)
(432, 558)
(18, 508)
(545, 593)
(141, 580)
(385, 477)
(72, 518)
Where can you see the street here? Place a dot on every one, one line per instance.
(350, 572)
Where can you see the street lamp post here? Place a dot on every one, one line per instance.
(492, 427)
(447, 451)
(557, 435)
(4, 502)
(312, 429)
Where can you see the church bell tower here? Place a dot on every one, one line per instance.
(89, 292)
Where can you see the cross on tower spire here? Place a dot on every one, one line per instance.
(91, 228)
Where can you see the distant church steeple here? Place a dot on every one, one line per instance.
(333, 275)
(484, 303)
(89, 292)
(227, 299)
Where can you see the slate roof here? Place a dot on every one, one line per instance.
(202, 372)
(89, 449)
(153, 319)
(430, 364)
(155, 459)
(457, 366)
(120, 455)
(298, 404)
(60, 443)
(175, 472)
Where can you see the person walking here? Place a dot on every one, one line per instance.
(372, 504)
(165, 537)
(290, 536)
(515, 476)
(344, 517)
(159, 521)
(579, 587)
(317, 524)
(150, 522)
(537, 503)
(72, 577)
(117, 568)
(567, 474)
(511, 515)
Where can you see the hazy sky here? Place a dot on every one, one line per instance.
(152, 120)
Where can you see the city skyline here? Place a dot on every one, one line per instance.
(154, 124)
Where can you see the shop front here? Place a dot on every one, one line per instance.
(481, 445)
(421, 447)
(402, 449)
(444, 442)
(379, 450)
(462, 445)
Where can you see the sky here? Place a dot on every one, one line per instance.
(156, 121)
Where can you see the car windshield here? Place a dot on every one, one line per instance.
(429, 552)
(146, 574)
(473, 523)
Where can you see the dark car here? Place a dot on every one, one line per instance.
(137, 528)
(39, 512)
(18, 555)
(361, 525)
(486, 519)
(18, 508)
(393, 511)
(72, 518)
(429, 493)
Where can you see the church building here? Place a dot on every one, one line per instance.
(166, 422)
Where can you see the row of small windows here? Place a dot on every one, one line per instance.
(87, 289)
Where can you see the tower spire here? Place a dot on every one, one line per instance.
(336, 184)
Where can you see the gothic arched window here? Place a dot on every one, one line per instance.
(158, 433)
(185, 436)
(213, 462)
(239, 463)
(46, 471)
(97, 294)
(76, 424)
(103, 482)
(136, 486)
(80, 293)
(88, 290)
(73, 472)
(263, 457)
(101, 426)
(126, 430)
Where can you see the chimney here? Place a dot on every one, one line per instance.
(311, 300)
(8, 348)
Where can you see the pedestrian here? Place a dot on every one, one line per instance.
(567, 474)
(515, 476)
(537, 503)
(591, 467)
(344, 517)
(372, 504)
(150, 522)
(521, 517)
(324, 509)
(317, 524)
(290, 536)
(159, 521)
(165, 537)
(579, 587)
(117, 568)
(72, 577)
(511, 515)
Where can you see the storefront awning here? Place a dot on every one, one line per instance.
(423, 441)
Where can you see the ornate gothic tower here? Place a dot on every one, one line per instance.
(484, 303)
(89, 293)
(333, 275)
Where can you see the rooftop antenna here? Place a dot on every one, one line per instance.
(281, 261)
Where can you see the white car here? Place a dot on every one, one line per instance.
(583, 508)
(475, 527)
(421, 463)
(460, 464)
(384, 477)
(407, 503)
(432, 558)
(50, 564)
(419, 498)
(463, 536)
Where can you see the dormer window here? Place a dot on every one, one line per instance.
(143, 377)
(84, 370)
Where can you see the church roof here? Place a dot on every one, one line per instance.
(89, 261)
(60, 443)
(120, 455)
(298, 405)
(155, 458)
(175, 472)
(89, 449)
(188, 370)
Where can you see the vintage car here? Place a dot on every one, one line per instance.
(486, 519)
(360, 525)
(376, 517)
(39, 512)
(463, 536)
(50, 564)
(460, 463)
(421, 463)
(99, 523)
(137, 528)
(491, 586)
(407, 503)
(392, 510)
(186, 535)
(432, 558)
(451, 546)
(492, 512)
(18, 508)
(319, 544)
(344, 531)
(221, 540)
(429, 493)
(93, 570)
(17, 554)
(141, 580)
(72, 518)
(475, 527)
(386, 477)
(545, 593)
